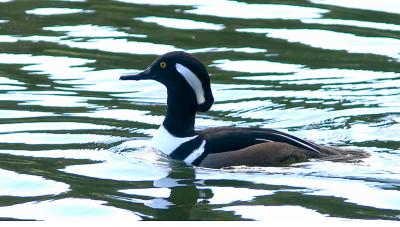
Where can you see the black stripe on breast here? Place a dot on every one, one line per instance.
(185, 149)
(198, 160)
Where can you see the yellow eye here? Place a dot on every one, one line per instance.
(163, 64)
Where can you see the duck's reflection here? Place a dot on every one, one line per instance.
(184, 193)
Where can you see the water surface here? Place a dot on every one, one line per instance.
(73, 137)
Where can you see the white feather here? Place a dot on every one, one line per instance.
(165, 142)
(193, 81)
(265, 140)
(297, 141)
(196, 153)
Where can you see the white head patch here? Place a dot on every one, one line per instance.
(193, 81)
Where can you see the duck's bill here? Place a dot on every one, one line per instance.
(140, 76)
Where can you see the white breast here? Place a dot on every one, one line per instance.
(165, 142)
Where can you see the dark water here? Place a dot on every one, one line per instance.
(73, 137)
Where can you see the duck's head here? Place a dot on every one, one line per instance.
(184, 76)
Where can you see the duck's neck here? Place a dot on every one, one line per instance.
(180, 118)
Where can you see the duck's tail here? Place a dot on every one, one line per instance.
(341, 154)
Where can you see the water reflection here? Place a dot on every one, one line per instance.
(318, 180)
(390, 6)
(47, 138)
(242, 10)
(125, 115)
(56, 11)
(249, 50)
(68, 209)
(277, 215)
(22, 185)
(49, 100)
(75, 136)
(327, 77)
(254, 66)
(228, 195)
(181, 23)
(84, 154)
(23, 114)
(183, 193)
(161, 2)
(233, 9)
(121, 46)
(355, 23)
(116, 169)
(49, 126)
(334, 40)
(49, 65)
(90, 30)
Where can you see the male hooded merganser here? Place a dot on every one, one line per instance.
(188, 88)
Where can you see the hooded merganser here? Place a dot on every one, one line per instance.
(188, 88)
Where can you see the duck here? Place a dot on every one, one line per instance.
(189, 91)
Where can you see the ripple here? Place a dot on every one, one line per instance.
(325, 76)
(62, 104)
(5, 80)
(11, 88)
(8, 39)
(170, 2)
(94, 155)
(28, 98)
(227, 195)
(34, 38)
(102, 81)
(23, 185)
(23, 114)
(232, 92)
(247, 109)
(306, 117)
(56, 11)
(184, 24)
(47, 138)
(255, 66)
(102, 44)
(321, 179)
(121, 46)
(242, 10)
(390, 6)
(249, 50)
(355, 23)
(49, 65)
(277, 215)
(124, 115)
(153, 192)
(49, 126)
(363, 133)
(68, 209)
(120, 171)
(233, 9)
(331, 40)
(90, 30)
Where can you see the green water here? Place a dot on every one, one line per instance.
(73, 137)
